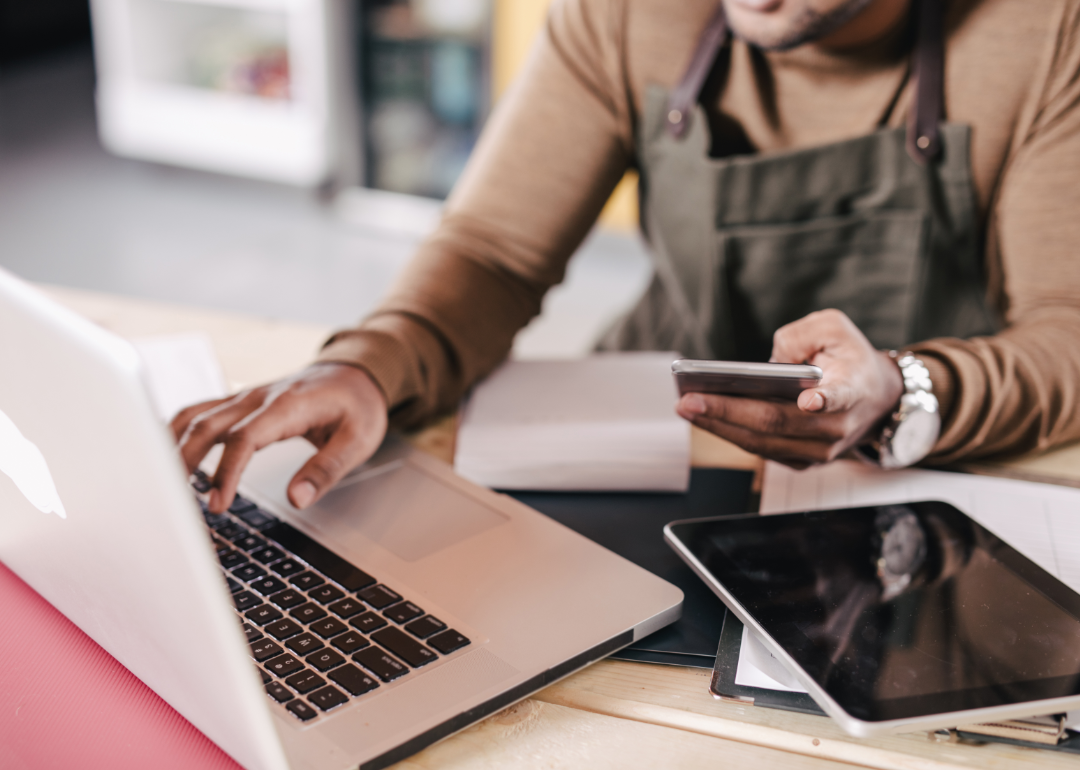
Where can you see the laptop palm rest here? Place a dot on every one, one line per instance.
(405, 510)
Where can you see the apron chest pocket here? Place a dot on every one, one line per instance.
(867, 264)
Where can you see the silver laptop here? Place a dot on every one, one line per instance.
(403, 607)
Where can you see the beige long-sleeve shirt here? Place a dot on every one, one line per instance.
(563, 136)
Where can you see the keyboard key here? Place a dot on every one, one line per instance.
(221, 547)
(403, 613)
(253, 517)
(305, 644)
(305, 581)
(325, 594)
(231, 531)
(404, 646)
(288, 598)
(448, 641)
(324, 660)
(424, 627)
(245, 600)
(250, 543)
(328, 698)
(308, 613)
(368, 622)
(325, 561)
(267, 585)
(262, 614)
(301, 710)
(215, 520)
(282, 629)
(349, 642)
(287, 567)
(355, 681)
(346, 608)
(267, 554)
(234, 585)
(265, 649)
(283, 665)
(305, 681)
(279, 692)
(380, 663)
(251, 633)
(232, 559)
(328, 627)
(379, 596)
(239, 505)
(266, 678)
(249, 572)
(200, 482)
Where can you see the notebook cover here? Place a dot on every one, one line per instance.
(632, 525)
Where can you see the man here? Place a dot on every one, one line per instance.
(822, 181)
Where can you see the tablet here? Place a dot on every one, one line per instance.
(896, 617)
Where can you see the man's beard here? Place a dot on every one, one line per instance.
(809, 26)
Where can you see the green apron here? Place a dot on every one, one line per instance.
(883, 227)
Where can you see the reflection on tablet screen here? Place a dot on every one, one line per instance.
(899, 611)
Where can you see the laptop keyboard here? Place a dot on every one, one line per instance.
(322, 631)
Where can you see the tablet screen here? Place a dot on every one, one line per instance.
(899, 611)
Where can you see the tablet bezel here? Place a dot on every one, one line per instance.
(851, 724)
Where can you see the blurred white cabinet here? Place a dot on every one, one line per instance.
(258, 88)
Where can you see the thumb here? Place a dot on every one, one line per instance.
(344, 451)
(827, 397)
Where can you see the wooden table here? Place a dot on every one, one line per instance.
(613, 714)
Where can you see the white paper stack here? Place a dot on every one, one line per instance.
(606, 422)
(180, 370)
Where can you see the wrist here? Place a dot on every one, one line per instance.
(911, 430)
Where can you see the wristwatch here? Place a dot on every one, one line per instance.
(913, 429)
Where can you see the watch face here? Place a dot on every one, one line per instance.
(918, 430)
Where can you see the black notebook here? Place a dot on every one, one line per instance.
(632, 525)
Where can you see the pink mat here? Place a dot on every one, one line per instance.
(65, 703)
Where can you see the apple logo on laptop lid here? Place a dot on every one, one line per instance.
(22, 461)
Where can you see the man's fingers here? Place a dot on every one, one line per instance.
(208, 427)
(345, 450)
(803, 339)
(780, 419)
(274, 420)
(796, 452)
(184, 417)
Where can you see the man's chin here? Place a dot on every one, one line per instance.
(780, 25)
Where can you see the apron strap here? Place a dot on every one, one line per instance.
(685, 95)
(924, 132)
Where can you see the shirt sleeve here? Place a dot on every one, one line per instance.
(549, 157)
(1019, 390)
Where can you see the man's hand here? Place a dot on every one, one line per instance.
(860, 386)
(336, 407)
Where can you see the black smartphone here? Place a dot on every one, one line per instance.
(744, 378)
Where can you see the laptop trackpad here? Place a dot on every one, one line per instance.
(406, 511)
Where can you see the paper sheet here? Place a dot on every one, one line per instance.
(1042, 521)
(181, 369)
(601, 423)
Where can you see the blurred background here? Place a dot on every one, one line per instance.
(278, 157)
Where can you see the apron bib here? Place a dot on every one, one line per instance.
(883, 227)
